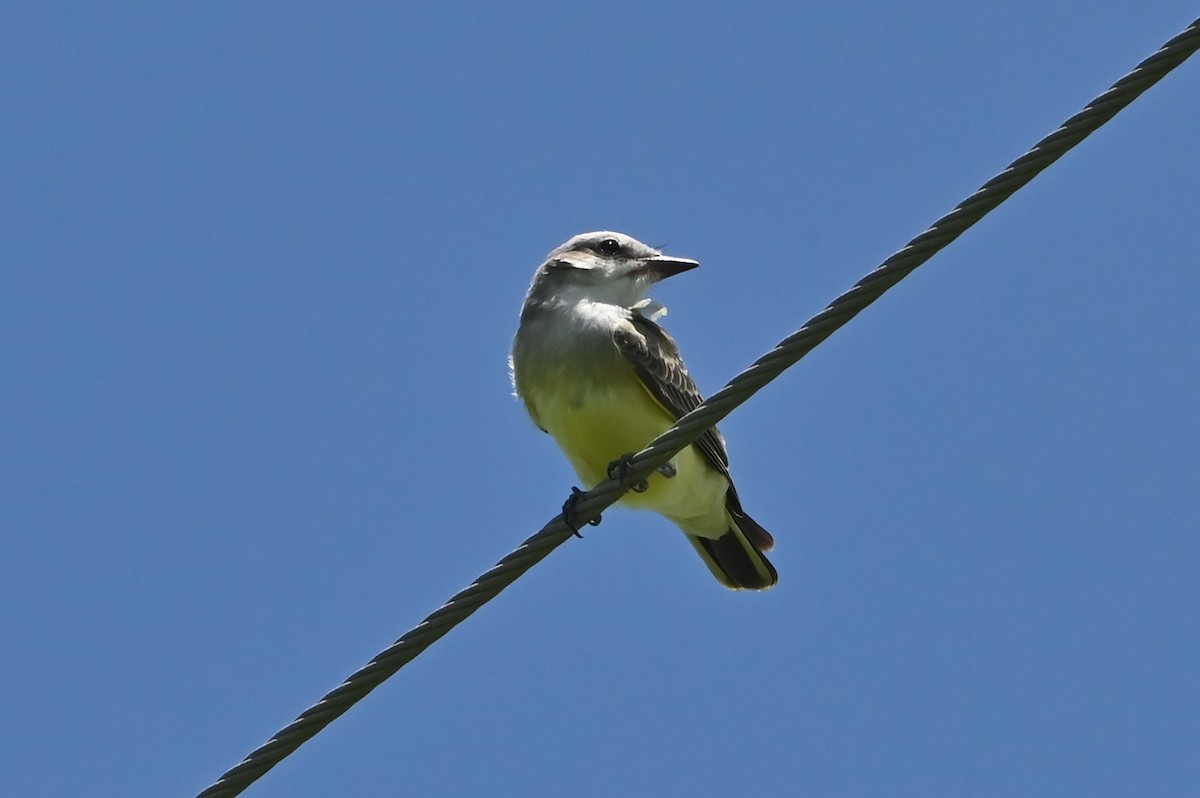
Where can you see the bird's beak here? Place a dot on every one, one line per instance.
(661, 267)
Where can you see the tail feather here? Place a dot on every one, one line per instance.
(759, 538)
(736, 558)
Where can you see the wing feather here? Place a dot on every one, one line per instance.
(655, 358)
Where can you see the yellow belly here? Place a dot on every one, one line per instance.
(598, 426)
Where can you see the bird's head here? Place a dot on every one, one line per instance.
(606, 267)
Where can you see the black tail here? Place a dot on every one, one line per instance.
(736, 558)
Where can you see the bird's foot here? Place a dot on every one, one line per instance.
(619, 469)
(568, 512)
(667, 469)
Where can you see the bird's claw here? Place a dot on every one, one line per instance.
(568, 512)
(619, 469)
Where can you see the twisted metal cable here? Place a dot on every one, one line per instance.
(719, 405)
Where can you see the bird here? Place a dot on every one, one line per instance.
(598, 373)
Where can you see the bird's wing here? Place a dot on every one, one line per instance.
(656, 361)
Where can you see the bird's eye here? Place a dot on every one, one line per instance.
(609, 246)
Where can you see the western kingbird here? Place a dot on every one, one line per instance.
(603, 379)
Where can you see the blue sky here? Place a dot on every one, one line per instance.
(262, 270)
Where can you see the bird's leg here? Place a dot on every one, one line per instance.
(568, 512)
(619, 469)
(667, 469)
